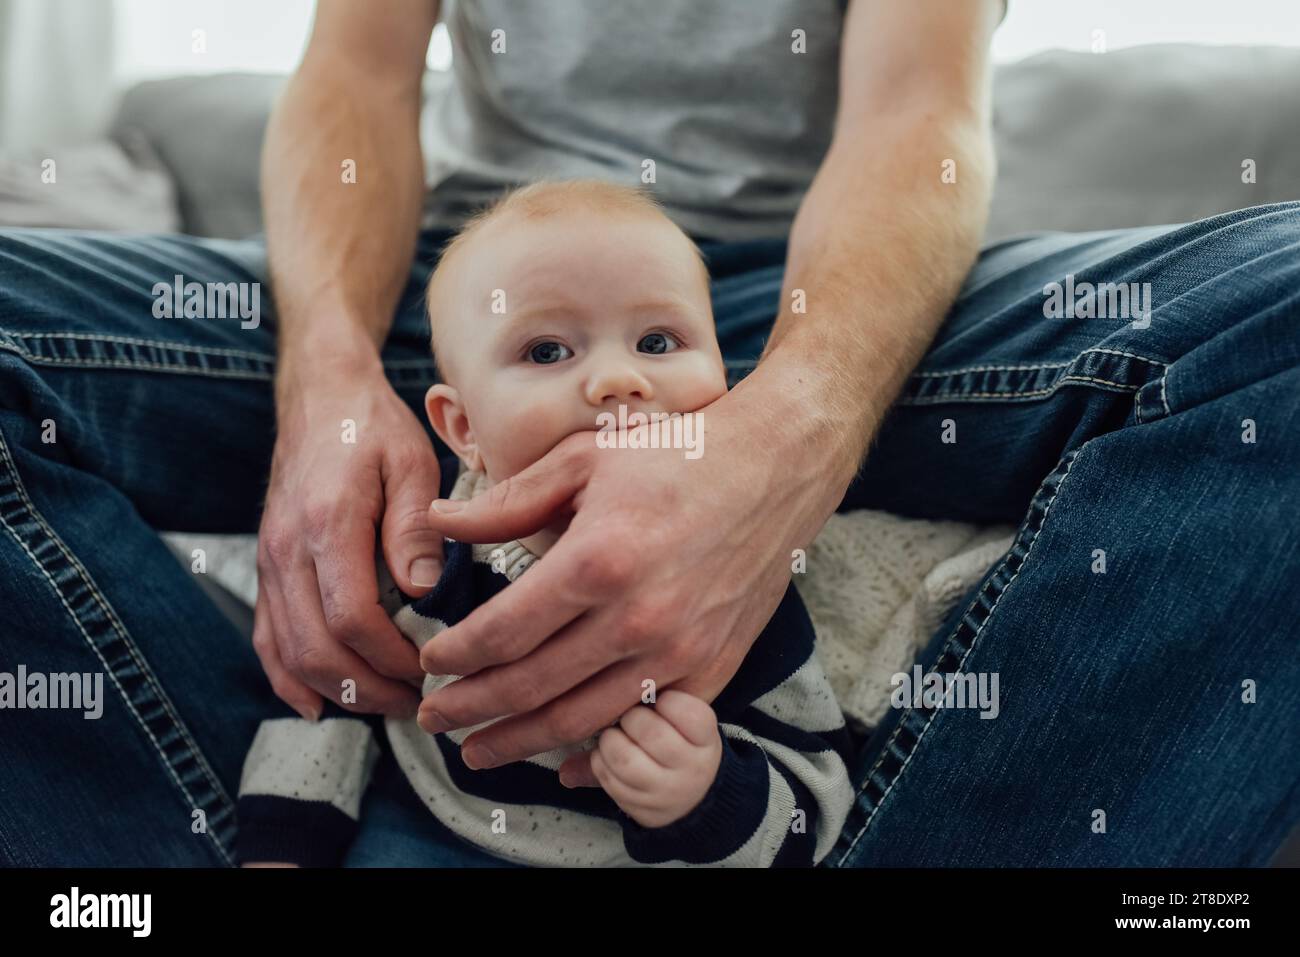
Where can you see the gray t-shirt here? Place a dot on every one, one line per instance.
(713, 91)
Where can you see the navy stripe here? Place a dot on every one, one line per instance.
(285, 830)
(449, 469)
(333, 712)
(780, 650)
(809, 742)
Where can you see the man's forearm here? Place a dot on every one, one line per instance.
(879, 249)
(340, 251)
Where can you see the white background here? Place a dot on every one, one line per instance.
(154, 36)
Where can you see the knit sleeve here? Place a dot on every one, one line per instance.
(301, 788)
(780, 797)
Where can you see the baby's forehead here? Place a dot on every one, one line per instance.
(512, 263)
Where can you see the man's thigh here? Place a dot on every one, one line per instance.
(1046, 347)
(126, 404)
(150, 359)
(1058, 338)
(1145, 589)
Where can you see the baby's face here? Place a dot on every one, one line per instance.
(593, 311)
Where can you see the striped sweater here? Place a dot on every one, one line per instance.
(780, 797)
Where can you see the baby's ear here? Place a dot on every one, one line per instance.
(446, 412)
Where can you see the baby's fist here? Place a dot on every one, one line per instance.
(661, 759)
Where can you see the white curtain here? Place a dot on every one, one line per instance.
(56, 71)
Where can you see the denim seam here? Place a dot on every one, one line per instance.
(1041, 365)
(136, 341)
(981, 608)
(246, 364)
(926, 389)
(151, 366)
(922, 400)
(9, 477)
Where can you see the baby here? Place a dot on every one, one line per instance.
(550, 309)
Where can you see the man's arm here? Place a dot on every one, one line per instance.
(340, 248)
(668, 571)
(883, 239)
(340, 252)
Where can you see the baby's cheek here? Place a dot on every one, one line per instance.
(515, 446)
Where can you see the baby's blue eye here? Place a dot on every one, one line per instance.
(544, 353)
(655, 342)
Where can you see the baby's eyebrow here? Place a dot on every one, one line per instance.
(529, 315)
(675, 306)
(516, 321)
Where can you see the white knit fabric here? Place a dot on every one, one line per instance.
(877, 587)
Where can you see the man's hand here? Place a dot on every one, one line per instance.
(318, 621)
(668, 570)
(340, 255)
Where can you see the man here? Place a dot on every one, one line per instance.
(863, 135)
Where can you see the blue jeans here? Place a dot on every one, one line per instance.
(1143, 626)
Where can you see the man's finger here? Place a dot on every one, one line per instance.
(576, 771)
(522, 504)
(349, 600)
(412, 549)
(286, 687)
(568, 720)
(310, 654)
(514, 622)
(564, 661)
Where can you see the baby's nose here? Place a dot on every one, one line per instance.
(618, 385)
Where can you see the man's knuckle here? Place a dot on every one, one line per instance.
(494, 645)
(681, 650)
(344, 623)
(641, 621)
(307, 662)
(572, 725)
(407, 459)
(275, 551)
(528, 692)
(319, 516)
(607, 569)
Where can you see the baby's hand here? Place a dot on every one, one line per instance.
(661, 759)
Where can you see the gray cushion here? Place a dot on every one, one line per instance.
(208, 131)
(1143, 136)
